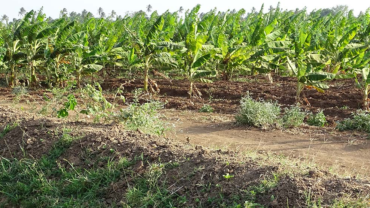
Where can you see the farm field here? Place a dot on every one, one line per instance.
(185, 109)
(305, 154)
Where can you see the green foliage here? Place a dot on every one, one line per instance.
(318, 119)
(95, 103)
(311, 47)
(7, 129)
(265, 115)
(359, 121)
(206, 109)
(38, 184)
(258, 113)
(69, 105)
(262, 188)
(228, 176)
(293, 116)
(144, 117)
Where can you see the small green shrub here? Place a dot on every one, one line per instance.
(360, 121)
(258, 113)
(144, 117)
(20, 90)
(293, 117)
(7, 129)
(206, 109)
(318, 119)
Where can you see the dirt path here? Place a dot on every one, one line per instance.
(133, 159)
(346, 153)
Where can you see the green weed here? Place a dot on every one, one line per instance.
(206, 109)
(7, 129)
(318, 119)
(258, 113)
(359, 121)
(293, 116)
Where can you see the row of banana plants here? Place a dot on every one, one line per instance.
(198, 46)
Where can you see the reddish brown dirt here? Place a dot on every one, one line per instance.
(224, 96)
(344, 152)
(199, 175)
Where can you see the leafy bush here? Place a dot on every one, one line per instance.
(69, 105)
(293, 116)
(206, 109)
(360, 121)
(19, 90)
(258, 113)
(144, 117)
(95, 103)
(318, 119)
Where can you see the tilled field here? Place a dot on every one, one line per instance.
(188, 176)
(337, 102)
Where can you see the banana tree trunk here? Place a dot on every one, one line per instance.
(33, 77)
(146, 75)
(79, 79)
(12, 82)
(33, 81)
(300, 87)
(146, 79)
(191, 89)
(269, 76)
(56, 73)
(365, 98)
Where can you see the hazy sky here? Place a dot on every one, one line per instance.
(52, 7)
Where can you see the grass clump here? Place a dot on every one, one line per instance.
(258, 113)
(7, 129)
(360, 121)
(206, 109)
(293, 117)
(262, 188)
(318, 119)
(144, 117)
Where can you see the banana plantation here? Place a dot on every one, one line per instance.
(199, 47)
(237, 109)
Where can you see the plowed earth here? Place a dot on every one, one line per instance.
(338, 101)
(197, 169)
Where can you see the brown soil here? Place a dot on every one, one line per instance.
(344, 152)
(224, 96)
(199, 174)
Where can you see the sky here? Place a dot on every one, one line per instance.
(53, 7)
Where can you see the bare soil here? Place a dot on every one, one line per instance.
(212, 143)
(346, 153)
(337, 102)
(199, 175)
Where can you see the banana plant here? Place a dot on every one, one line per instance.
(338, 45)
(309, 73)
(266, 42)
(13, 46)
(12, 56)
(84, 62)
(152, 49)
(194, 56)
(34, 36)
(232, 57)
(360, 65)
(307, 63)
(232, 53)
(56, 52)
(364, 84)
